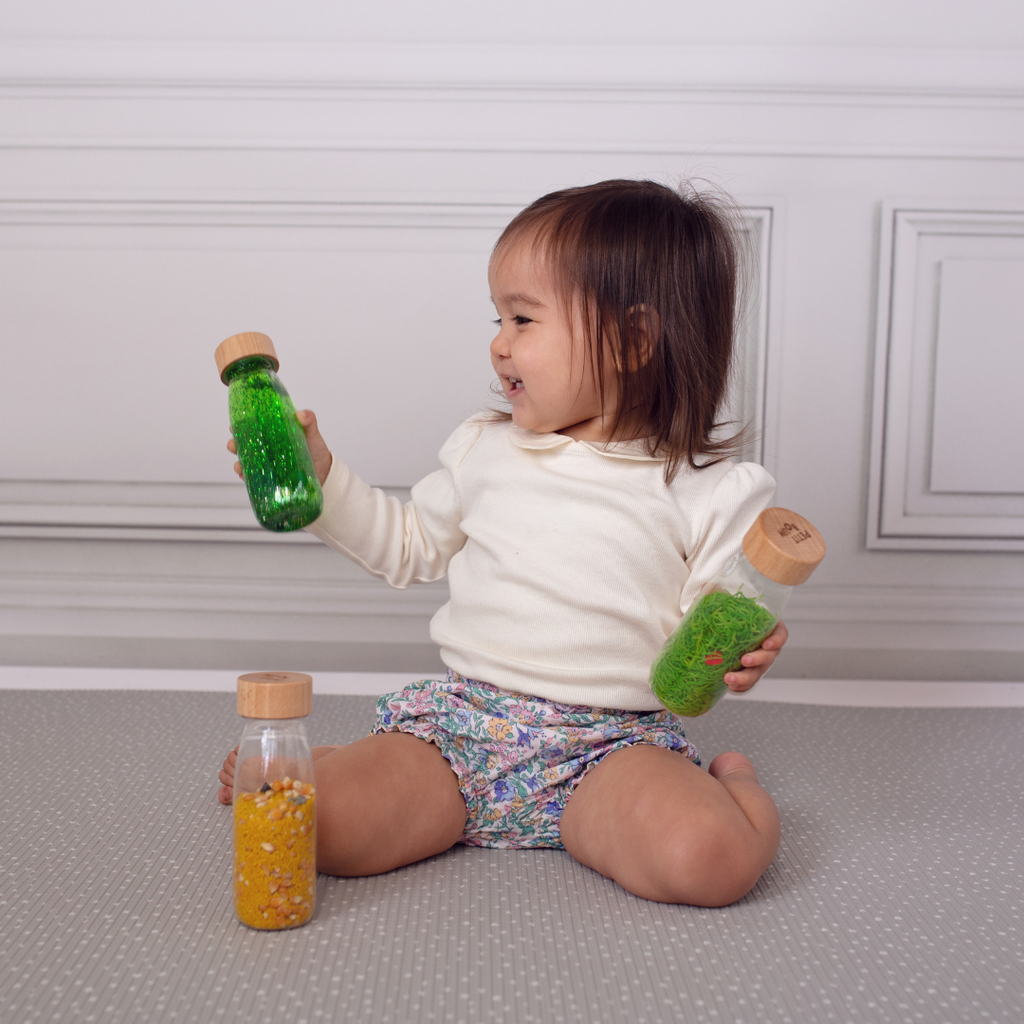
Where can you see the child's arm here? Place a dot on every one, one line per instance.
(402, 544)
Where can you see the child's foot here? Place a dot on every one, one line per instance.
(730, 764)
(227, 777)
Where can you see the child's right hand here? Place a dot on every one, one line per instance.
(322, 458)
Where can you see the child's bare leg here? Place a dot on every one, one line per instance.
(655, 823)
(384, 801)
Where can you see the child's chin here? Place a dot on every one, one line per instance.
(527, 419)
(522, 421)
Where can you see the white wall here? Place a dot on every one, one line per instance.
(335, 176)
(995, 24)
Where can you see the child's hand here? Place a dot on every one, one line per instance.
(233, 448)
(756, 663)
(322, 457)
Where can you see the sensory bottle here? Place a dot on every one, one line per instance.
(274, 803)
(735, 611)
(276, 465)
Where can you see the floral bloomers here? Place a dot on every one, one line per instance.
(518, 758)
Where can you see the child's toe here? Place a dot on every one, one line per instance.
(732, 762)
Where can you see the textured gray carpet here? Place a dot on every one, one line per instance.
(896, 895)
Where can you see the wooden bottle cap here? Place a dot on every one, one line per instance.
(783, 546)
(275, 695)
(240, 346)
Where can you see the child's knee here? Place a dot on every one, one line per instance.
(707, 864)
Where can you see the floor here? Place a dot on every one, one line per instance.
(896, 894)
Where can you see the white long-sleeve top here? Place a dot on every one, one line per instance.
(569, 562)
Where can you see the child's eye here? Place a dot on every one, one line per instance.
(517, 320)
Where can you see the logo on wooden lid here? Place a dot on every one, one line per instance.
(783, 546)
(242, 346)
(275, 695)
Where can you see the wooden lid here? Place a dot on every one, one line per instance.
(275, 695)
(239, 346)
(783, 546)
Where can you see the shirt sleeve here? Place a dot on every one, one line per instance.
(738, 498)
(403, 544)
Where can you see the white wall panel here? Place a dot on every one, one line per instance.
(946, 456)
(977, 441)
(381, 318)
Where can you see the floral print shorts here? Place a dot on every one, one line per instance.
(518, 758)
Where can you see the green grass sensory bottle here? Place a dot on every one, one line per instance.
(276, 465)
(735, 611)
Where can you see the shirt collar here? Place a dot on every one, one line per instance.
(635, 450)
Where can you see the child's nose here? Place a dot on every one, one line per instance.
(499, 346)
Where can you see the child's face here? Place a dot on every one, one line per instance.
(544, 368)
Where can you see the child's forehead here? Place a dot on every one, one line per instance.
(520, 272)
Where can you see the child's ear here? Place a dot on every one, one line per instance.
(643, 326)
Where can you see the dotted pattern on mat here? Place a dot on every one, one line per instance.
(896, 895)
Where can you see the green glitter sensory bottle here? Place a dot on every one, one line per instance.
(276, 465)
(735, 611)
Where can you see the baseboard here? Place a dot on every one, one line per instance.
(833, 692)
(884, 664)
(374, 656)
(235, 655)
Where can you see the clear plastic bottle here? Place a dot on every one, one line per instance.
(276, 465)
(735, 611)
(274, 803)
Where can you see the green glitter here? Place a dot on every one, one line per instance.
(278, 470)
(719, 625)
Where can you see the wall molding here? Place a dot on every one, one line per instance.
(840, 102)
(904, 512)
(362, 609)
(867, 70)
(654, 147)
(138, 510)
(908, 606)
(98, 592)
(133, 510)
(898, 135)
(174, 212)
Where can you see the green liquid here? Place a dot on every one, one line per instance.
(719, 625)
(276, 465)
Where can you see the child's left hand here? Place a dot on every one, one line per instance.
(756, 663)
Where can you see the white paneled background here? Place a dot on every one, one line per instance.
(335, 175)
(948, 461)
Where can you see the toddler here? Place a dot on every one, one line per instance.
(574, 530)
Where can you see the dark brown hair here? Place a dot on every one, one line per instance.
(653, 273)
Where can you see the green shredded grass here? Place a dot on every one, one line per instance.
(687, 676)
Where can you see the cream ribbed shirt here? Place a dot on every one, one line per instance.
(569, 562)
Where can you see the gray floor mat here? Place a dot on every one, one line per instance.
(896, 894)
